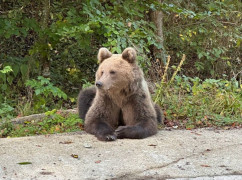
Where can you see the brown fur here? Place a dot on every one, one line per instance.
(121, 89)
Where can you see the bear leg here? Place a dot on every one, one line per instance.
(139, 131)
(101, 130)
(158, 114)
(102, 118)
(84, 101)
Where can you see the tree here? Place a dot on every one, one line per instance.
(157, 18)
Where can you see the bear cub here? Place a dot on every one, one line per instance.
(119, 105)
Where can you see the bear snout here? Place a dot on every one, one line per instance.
(99, 84)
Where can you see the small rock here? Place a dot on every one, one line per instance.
(87, 145)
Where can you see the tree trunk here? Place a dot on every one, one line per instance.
(158, 53)
(157, 19)
(45, 20)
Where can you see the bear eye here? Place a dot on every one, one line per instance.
(112, 72)
(101, 72)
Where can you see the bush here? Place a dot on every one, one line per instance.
(54, 122)
(195, 103)
(60, 39)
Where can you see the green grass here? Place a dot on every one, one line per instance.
(54, 123)
(191, 103)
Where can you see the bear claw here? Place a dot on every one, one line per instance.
(111, 137)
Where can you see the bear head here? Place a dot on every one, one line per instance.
(115, 71)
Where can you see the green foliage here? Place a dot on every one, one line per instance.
(63, 37)
(44, 87)
(55, 122)
(6, 69)
(5, 111)
(5, 78)
(44, 92)
(198, 103)
(6, 128)
(5, 108)
(86, 84)
(67, 40)
(208, 33)
(115, 25)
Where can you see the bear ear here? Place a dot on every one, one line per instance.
(129, 54)
(103, 54)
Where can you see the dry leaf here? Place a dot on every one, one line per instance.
(74, 155)
(152, 145)
(46, 173)
(66, 142)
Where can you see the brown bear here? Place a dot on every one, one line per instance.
(120, 106)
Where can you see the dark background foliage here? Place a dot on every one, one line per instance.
(60, 39)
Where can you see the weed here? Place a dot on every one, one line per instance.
(191, 102)
(55, 122)
(45, 91)
(5, 111)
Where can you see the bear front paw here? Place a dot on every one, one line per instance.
(121, 132)
(110, 137)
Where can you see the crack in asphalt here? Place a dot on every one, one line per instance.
(132, 174)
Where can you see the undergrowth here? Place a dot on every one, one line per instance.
(192, 102)
(54, 122)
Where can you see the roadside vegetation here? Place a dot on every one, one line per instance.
(54, 122)
(191, 50)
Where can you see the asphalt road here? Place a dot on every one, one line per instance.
(177, 154)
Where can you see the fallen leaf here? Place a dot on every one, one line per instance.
(205, 165)
(97, 162)
(74, 155)
(196, 133)
(58, 112)
(27, 122)
(222, 166)
(24, 163)
(170, 124)
(66, 142)
(57, 128)
(152, 145)
(46, 173)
